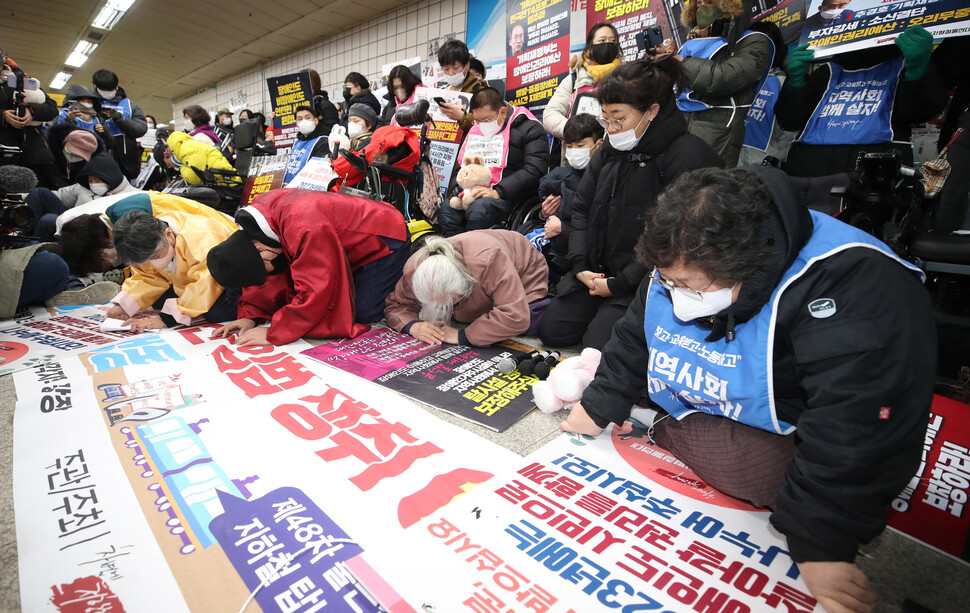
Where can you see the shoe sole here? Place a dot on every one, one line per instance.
(96, 293)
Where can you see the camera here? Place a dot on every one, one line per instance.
(412, 114)
(15, 214)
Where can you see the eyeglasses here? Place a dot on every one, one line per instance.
(693, 294)
(616, 124)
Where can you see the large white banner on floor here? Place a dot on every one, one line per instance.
(185, 473)
(612, 523)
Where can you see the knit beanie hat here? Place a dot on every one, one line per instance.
(81, 143)
(364, 112)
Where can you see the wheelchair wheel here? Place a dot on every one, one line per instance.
(526, 212)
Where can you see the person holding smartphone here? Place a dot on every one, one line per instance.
(455, 61)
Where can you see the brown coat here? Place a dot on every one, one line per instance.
(509, 273)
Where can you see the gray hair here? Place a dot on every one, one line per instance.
(440, 279)
(137, 236)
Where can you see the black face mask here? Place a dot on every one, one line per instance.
(604, 53)
(279, 263)
(346, 92)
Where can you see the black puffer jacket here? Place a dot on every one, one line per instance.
(528, 159)
(617, 188)
(832, 377)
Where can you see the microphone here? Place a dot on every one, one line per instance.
(528, 366)
(16, 180)
(543, 368)
(508, 365)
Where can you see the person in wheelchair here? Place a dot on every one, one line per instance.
(188, 154)
(515, 148)
(313, 264)
(361, 122)
(311, 142)
(647, 147)
(493, 280)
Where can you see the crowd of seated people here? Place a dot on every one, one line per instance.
(656, 140)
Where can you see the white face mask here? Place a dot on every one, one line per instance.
(107, 95)
(306, 126)
(455, 80)
(627, 139)
(188, 125)
(578, 157)
(400, 94)
(227, 121)
(71, 158)
(166, 259)
(99, 189)
(687, 307)
(830, 14)
(86, 105)
(354, 129)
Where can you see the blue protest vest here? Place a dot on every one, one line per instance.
(733, 379)
(299, 154)
(857, 106)
(705, 48)
(760, 120)
(123, 106)
(87, 125)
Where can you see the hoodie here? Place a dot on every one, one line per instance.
(103, 167)
(857, 384)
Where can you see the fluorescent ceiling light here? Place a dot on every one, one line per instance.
(76, 60)
(107, 18)
(85, 47)
(60, 80)
(120, 5)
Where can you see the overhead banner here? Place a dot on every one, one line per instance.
(631, 17)
(221, 474)
(788, 15)
(464, 381)
(537, 52)
(933, 507)
(287, 93)
(873, 23)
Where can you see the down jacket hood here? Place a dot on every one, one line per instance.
(103, 167)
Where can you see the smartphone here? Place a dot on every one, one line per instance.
(649, 38)
(440, 100)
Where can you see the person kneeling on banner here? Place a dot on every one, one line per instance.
(789, 360)
(167, 254)
(515, 148)
(315, 264)
(864, 100)
(493, 280)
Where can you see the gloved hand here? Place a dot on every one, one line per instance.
(798, 61)
(117, 116)
(916, 44)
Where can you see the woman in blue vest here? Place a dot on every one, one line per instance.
(864, 100)
(724, 65)
(761, 318)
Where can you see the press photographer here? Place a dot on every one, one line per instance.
(25, 107)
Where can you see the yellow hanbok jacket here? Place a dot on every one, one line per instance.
(188, 274)
(190, 152)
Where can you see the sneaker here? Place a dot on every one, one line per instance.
(96, 293)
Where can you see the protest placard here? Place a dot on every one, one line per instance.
(464, 381)
(537, 52)
(288, 92)
(873, 23)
